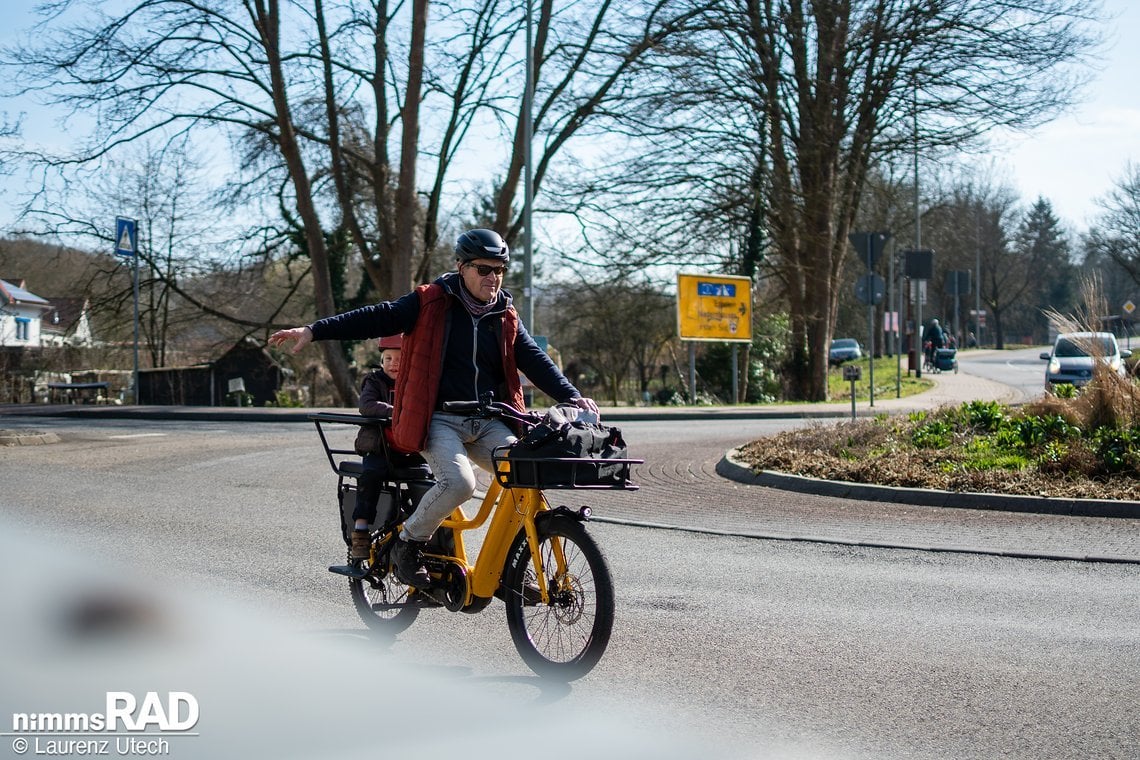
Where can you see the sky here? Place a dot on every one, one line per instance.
(1080, 156)
(1072, 161)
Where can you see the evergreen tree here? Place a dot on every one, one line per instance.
(1044, 245)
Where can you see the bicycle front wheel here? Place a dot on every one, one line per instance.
(566, 638)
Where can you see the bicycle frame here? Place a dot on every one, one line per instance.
(508, 509)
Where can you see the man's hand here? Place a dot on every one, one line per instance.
(302, 336)
(587, 404)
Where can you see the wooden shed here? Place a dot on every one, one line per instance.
(244, 375)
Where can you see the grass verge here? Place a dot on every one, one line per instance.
(1084, 446)
(887, 380)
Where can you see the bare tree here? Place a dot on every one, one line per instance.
(840, 78)
(614, 330)
(1115, 234)
(1005, 273)
(974, 221)
(169, 67)
(330, 100)
(820, 92)
(1023, 259)
(160, 184)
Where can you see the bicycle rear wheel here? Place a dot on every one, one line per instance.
(384, 604)
(566, 638)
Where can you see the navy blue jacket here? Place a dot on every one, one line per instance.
(471, 363)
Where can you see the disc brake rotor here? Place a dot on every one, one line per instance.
(568, 602)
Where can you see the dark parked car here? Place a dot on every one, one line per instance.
(843, 350)
(1071, 360)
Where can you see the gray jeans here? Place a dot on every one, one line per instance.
(453, 443)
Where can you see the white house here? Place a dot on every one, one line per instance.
(21, 315)
(67, 323)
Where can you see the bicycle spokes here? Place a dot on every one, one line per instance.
(565, 635)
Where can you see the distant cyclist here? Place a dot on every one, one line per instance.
(462, 338)
(935, 339)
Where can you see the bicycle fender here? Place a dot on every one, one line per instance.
(582, 514)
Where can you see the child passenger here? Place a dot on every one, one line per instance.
(375, 401)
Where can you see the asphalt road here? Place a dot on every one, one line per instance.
(1022, 369)
(725, 646)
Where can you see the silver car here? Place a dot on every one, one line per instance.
(1072, 358)
(844, 349)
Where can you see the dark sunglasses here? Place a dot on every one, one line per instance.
(486, 269)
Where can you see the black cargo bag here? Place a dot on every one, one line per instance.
(564, 451)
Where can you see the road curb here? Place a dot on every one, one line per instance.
(27, 438)
(732, 468)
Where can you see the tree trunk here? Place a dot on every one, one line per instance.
(615, 388)
(999, 332)
(743, 375)
(407, 207)
(337, 160)
(381, 169)
(267, 26)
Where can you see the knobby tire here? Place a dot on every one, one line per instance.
(566, 638)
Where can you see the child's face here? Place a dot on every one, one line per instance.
(390, 361)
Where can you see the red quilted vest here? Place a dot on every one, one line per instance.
(421, 364)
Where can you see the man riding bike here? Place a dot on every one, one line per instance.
(462, 338)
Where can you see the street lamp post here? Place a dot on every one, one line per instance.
(919, 349)
(528, 177)
(977, 283)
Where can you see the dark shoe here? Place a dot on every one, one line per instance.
(361, 544)
(408, 563)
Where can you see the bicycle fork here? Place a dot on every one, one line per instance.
(535, 544)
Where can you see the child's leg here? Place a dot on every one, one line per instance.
(368, 490)
(367, 497)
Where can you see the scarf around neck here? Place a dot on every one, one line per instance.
(475, 307)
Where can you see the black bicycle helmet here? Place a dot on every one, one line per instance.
(482, 244)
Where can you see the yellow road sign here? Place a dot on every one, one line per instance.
(714, 307)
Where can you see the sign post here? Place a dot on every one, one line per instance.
(869, 246)
(852, 373)
(1128, 308)
(713, 308)
(919, 267)
(126, 244)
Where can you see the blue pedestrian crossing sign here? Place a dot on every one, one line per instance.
(126, 236)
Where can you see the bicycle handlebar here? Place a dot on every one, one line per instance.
(459, 407)
(489, 409)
